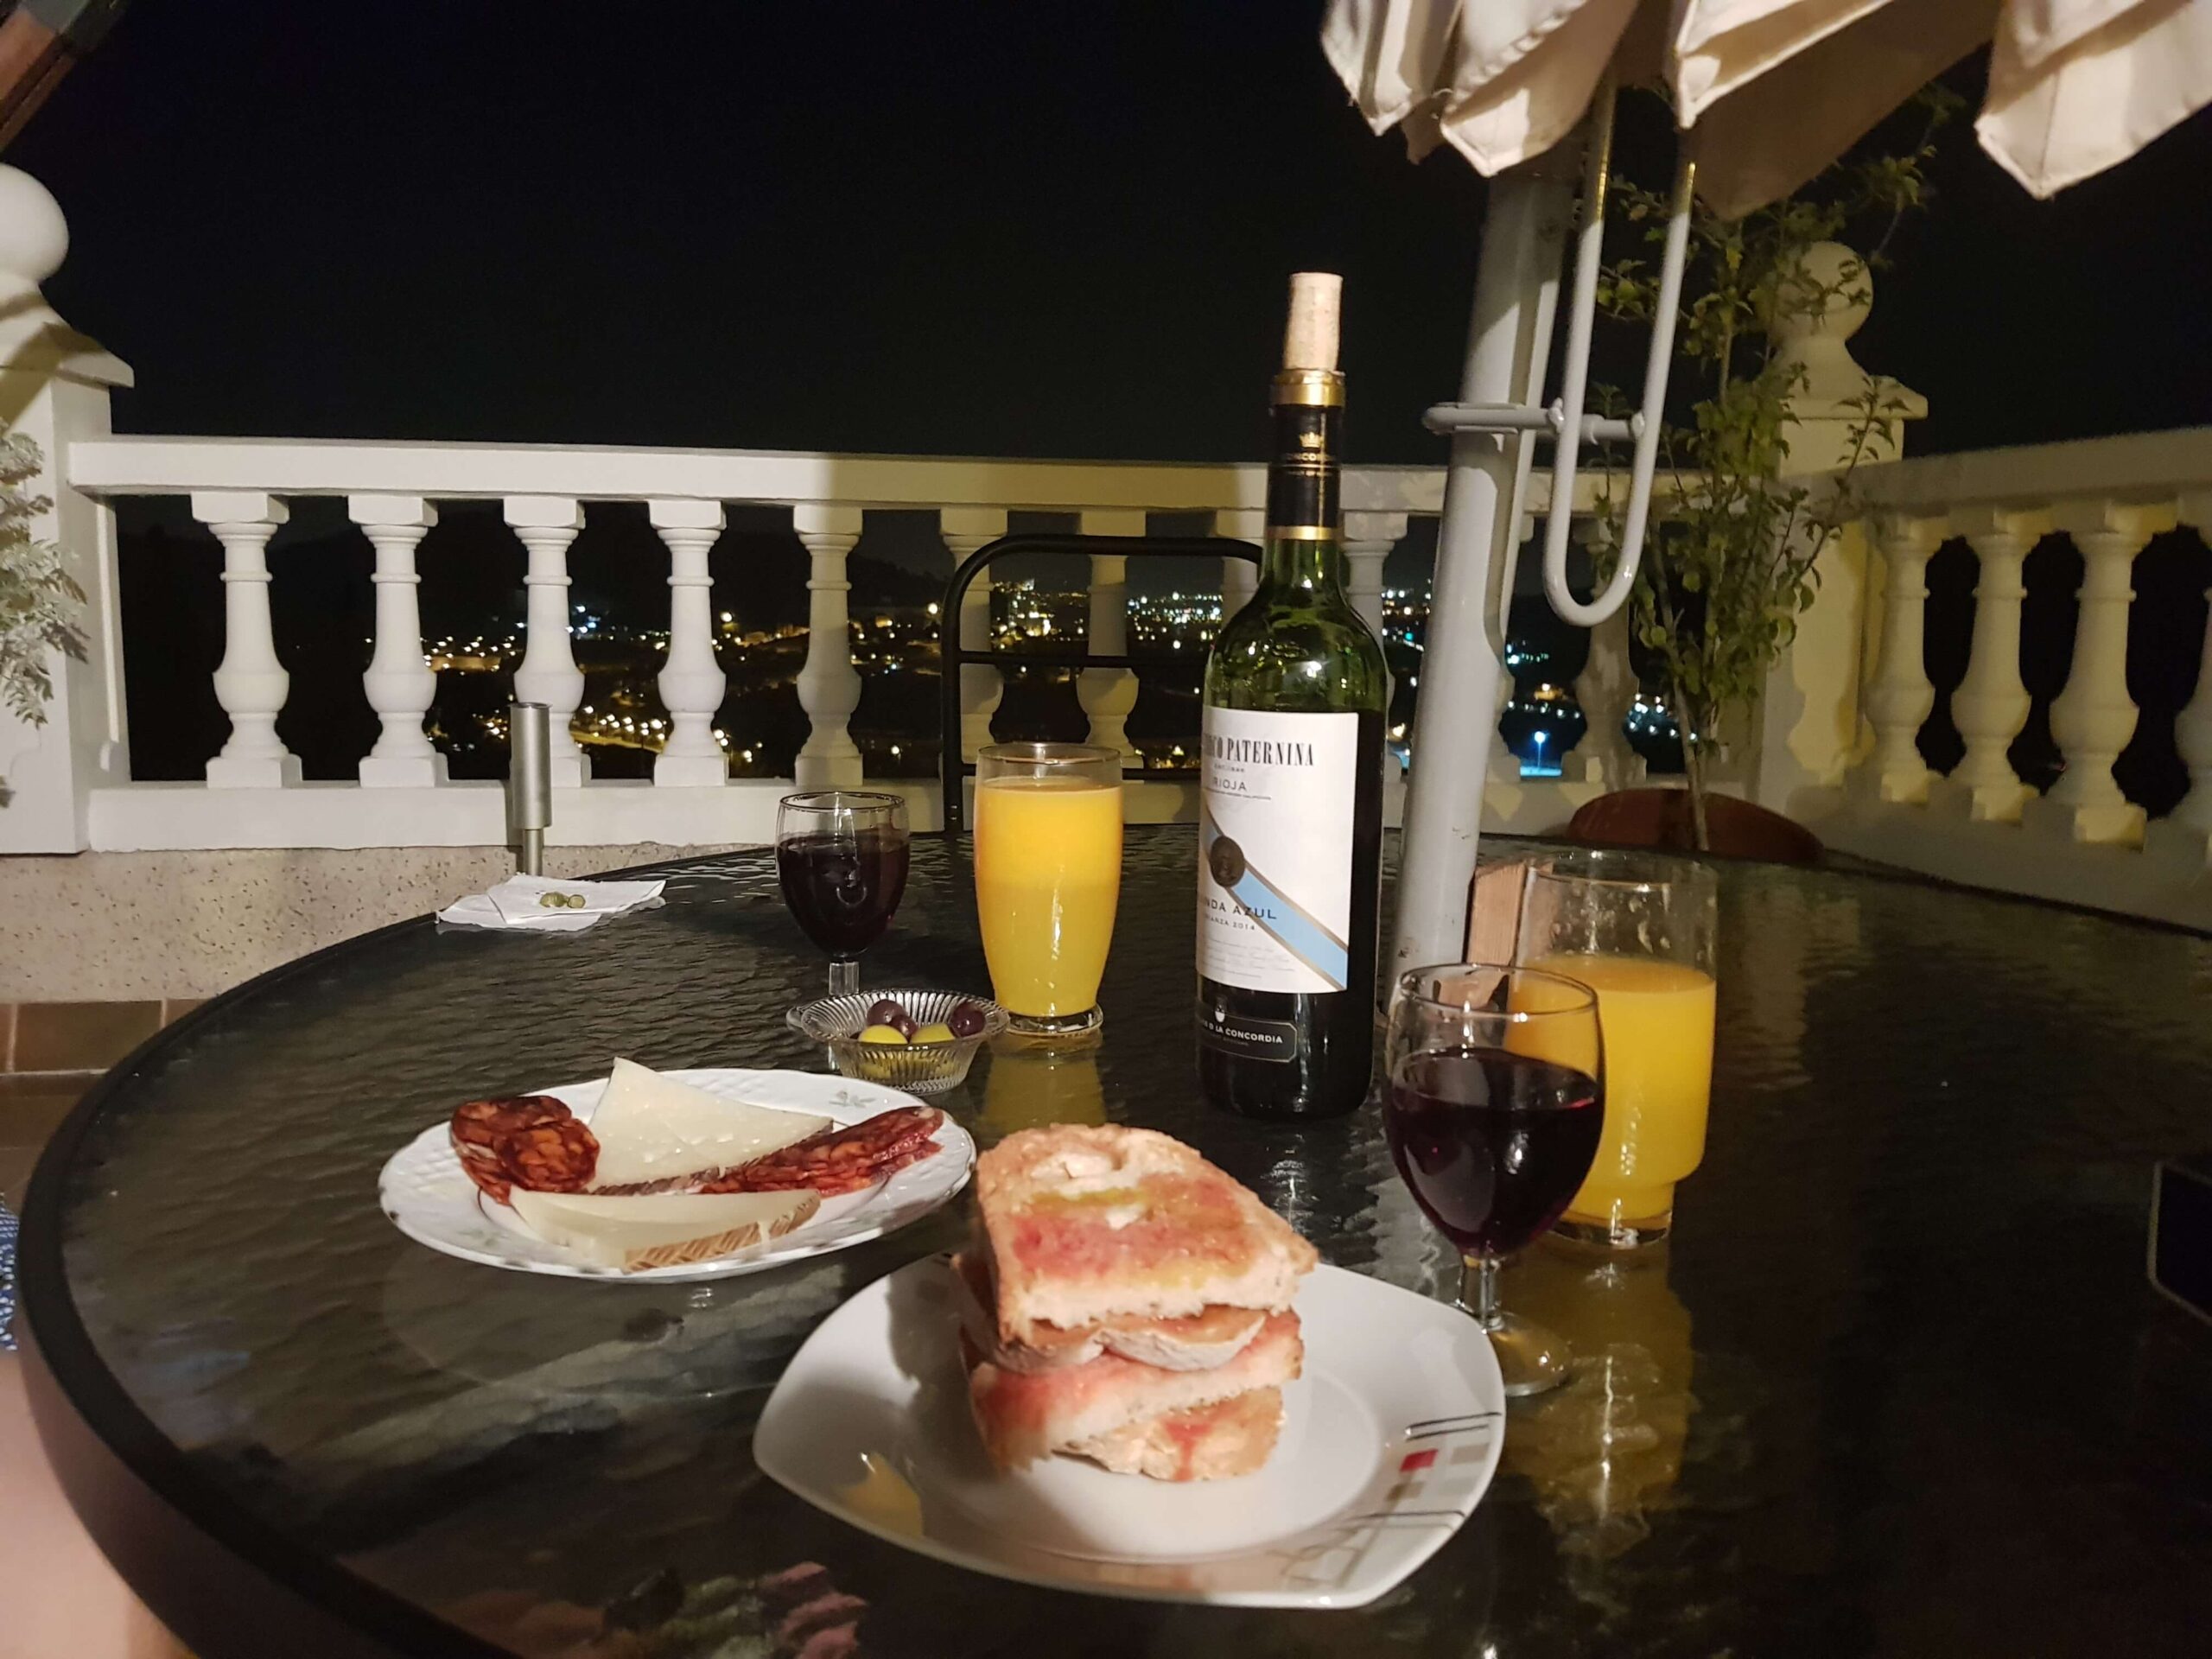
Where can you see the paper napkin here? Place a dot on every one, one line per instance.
(519, 902)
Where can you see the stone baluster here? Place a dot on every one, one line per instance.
(1900, 696)
(2093, 716)
(1240, 578)
(828, 685)
(691, 681)
(1108, 694)
(1991, 705)
(1368, 537)
(400, 684)
(966, 531)
(1606, 688)
(1504, 765)
(546, 525)
(2185, 834)
(251, 682)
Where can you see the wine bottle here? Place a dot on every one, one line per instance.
(1290, 823)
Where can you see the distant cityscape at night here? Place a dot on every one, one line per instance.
(474, 639)
(622, 716)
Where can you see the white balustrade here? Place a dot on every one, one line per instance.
(1108, 695)
(72, 788)
(828, 685)
(691, 683)
(547, 525)
(2094, 717)
(968, 531)
(1901, 696)
(251, 682)
(1990, 704)
(1368, 537)
(399, 683)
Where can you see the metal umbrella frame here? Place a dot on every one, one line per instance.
(1494, 426)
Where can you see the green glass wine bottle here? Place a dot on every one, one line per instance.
(1290, 830)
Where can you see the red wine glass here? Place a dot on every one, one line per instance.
(1493, 1110)
(841, 855)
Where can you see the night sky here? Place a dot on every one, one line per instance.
(986, 228)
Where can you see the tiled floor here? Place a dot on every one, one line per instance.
(31, 1105)
(49, 1054)
(79, 1036)
(59, 1597)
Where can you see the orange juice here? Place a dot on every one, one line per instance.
(1048, 876)
(1028, 1088)
(1656, 1018)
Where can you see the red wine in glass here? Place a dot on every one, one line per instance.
(843, 889)
(841, 855)
(1491, 1143)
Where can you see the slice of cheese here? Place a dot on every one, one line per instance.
(652, 1128)
(660, 1229)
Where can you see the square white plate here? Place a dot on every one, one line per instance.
(1390, 1438)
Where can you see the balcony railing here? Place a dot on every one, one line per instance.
(1836, 743)
(2082, 839)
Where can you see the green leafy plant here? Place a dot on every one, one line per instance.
(38, 599)
(1732, 559)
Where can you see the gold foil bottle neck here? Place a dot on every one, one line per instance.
(1309, 388)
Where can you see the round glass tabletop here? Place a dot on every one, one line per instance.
(1898, 1383)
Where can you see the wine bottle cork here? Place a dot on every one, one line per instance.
(1310, 340)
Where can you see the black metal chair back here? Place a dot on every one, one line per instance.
(952, 767)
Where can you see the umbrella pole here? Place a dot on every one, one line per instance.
(1524, 232)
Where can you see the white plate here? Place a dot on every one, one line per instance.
(430, 1198)
(1390, 1438)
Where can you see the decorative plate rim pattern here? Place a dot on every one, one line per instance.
(1423, 1370)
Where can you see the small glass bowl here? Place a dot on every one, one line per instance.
(917, 1068)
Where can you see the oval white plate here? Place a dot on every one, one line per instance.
(430, 1198)
(1390, 1438)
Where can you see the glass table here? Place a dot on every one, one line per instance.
(1898, 1384)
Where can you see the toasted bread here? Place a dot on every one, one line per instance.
(1087, 1223)
(1025, 1416)
(1231, 1437)
(1211, 1336)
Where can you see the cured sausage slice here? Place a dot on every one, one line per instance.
(840, 1160)
(532, 1141)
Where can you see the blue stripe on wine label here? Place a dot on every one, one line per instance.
(1291, 927)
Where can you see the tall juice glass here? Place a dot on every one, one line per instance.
(1639, 929)
(1048, 877)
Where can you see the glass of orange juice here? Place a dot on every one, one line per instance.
(1639, 929)
(1048, 878)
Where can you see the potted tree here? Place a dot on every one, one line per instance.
(38, 599)
(1732, 556)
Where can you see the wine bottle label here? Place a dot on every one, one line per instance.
(1276, 794)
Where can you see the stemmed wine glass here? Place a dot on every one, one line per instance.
(841, 855)
(1494, 1106)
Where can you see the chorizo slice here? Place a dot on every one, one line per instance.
(840, 1160)
(532, 1141)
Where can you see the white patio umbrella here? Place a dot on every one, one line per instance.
(1768, 92)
